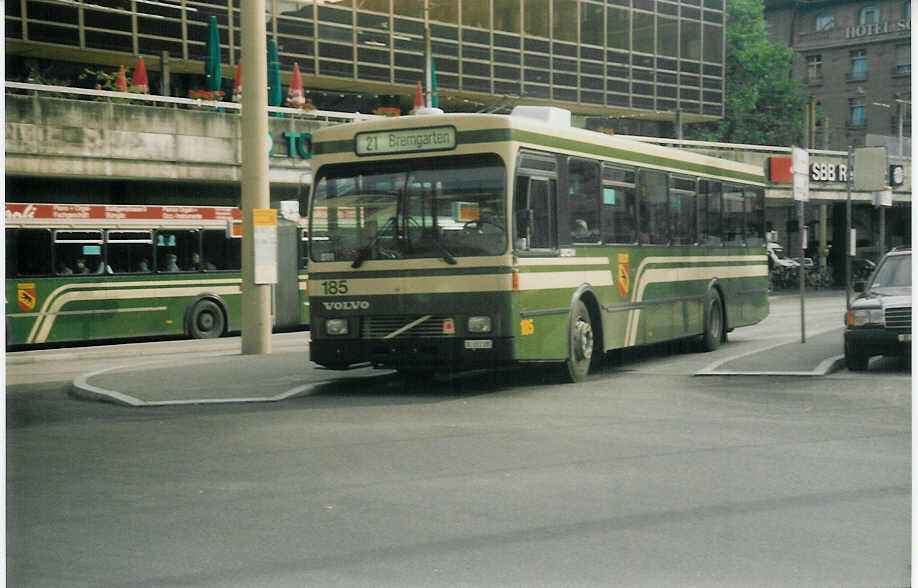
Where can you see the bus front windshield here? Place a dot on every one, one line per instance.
(445, 207)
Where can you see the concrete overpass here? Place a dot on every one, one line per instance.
(89, 135)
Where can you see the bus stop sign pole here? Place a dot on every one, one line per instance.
(256, 297)
(800, 165)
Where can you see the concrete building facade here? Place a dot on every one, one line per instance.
(631, 59)
(854, 59)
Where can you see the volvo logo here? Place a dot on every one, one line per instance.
(348, 305)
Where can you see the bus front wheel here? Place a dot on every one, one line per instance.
(206, 320)
(713, 321)
(581, 343)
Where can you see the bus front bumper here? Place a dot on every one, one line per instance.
(412, 353)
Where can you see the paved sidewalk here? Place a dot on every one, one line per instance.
(821, 354)
(219, 379)
(227, 377)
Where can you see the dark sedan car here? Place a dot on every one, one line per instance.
(880, 319)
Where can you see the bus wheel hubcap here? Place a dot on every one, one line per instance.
(206, 321)
(583, 339)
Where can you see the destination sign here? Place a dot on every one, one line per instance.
(405, 141)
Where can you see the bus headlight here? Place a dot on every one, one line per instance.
(479, 324)
(337, 326)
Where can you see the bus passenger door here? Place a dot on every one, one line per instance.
(536, 215)
(286, 294)
(542, 328)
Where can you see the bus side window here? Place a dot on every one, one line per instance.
(28, 252)
(543, 233)
(619, 215)
(79, 252)
(653, 215)
(129, 251)
(583, 198)
(754, 203)
(682, 210)
(176, 250)
(733, 215)
(710, 225)
(220, 252)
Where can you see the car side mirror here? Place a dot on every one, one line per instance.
(859, 286)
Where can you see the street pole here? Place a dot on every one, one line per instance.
(800, 220)
(428, 76)
(848, 244)
(256, 298)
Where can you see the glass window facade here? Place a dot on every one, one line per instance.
(656, 55)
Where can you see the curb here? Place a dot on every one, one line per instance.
(81, 388)
(825, 367)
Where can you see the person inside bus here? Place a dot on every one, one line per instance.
(81, 266)
(198, 265)
(171, 266)
(143, 266)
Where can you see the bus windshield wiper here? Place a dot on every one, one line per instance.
(366, 251)
(447, 254)
(435, 239)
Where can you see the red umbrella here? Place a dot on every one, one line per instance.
(237, 85)
(419, 97)
(121, 80)
(295, 96)
(139, 81)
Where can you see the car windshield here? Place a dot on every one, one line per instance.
(894, 272)
(413, 208)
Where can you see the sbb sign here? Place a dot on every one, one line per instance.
(780, 171)
(829, 172)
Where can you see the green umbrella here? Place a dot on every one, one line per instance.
(213, 75)
(275, 97)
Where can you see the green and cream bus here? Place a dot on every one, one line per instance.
(78, 272)
(449, 240)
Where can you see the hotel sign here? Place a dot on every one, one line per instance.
(879, 28)
(405, 141)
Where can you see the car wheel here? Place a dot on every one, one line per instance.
(855, 362)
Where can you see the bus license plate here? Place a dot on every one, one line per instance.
(907, 337)
(478, 344)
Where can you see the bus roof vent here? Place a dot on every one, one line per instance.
(549, 115)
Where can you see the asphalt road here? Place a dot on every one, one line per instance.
(641, 476)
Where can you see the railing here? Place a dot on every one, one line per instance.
(192, 103)
(762, 149)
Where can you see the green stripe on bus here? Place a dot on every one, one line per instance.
(416, 273)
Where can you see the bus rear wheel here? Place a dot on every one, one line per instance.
(713, 321)
(581, 344)
(206, 320)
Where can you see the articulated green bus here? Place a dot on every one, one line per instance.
(442, 241)
(77, 272)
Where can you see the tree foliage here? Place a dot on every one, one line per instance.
(763, 105)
